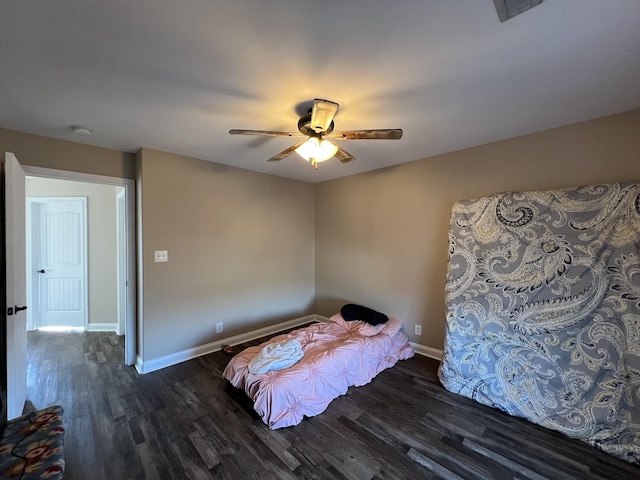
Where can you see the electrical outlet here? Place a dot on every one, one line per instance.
(418, 329)
(161, 256)
(219, 327)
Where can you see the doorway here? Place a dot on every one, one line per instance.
(110, 296)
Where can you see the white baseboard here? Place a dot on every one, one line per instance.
(102, 327)
(178, 357)
(427, 351)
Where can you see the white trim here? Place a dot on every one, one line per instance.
(102, 327)
(121, 248)
(130, 321)
(427, 351)
(138, 350)
(32, 171)
(191, 353)
(129, 186)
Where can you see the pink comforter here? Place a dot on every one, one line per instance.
(337, 355)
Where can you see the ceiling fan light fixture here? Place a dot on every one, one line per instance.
(316, 124)
(317, 150)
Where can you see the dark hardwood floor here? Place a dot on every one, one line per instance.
(178, 423)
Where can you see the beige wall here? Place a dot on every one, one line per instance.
(102, 241)
(381, 237)
(241, 251)
(244, 247)
(241, 244)
(38, 151)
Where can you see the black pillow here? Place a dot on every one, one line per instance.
(351, 312)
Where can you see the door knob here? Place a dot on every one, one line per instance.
(41, 271)
(17, 309)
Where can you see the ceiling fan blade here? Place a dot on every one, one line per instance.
(380, 134)
(344, 156)
(285, 153)
(268, 133)
(322, 114)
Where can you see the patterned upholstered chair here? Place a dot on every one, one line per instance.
(32, 446)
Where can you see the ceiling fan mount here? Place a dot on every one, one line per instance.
(305, 127)
(318, 126)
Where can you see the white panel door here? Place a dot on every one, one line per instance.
(62, 264)
(16, 285)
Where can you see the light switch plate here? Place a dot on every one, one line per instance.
(161, 256)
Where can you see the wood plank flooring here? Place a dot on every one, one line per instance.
(178, 423)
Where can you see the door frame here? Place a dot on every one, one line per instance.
(123, 235)
(34, 313)
(129, 193)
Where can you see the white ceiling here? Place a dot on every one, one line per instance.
(177, 75)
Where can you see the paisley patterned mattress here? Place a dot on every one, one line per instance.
(543, 310)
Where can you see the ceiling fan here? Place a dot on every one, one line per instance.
(318, 126)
